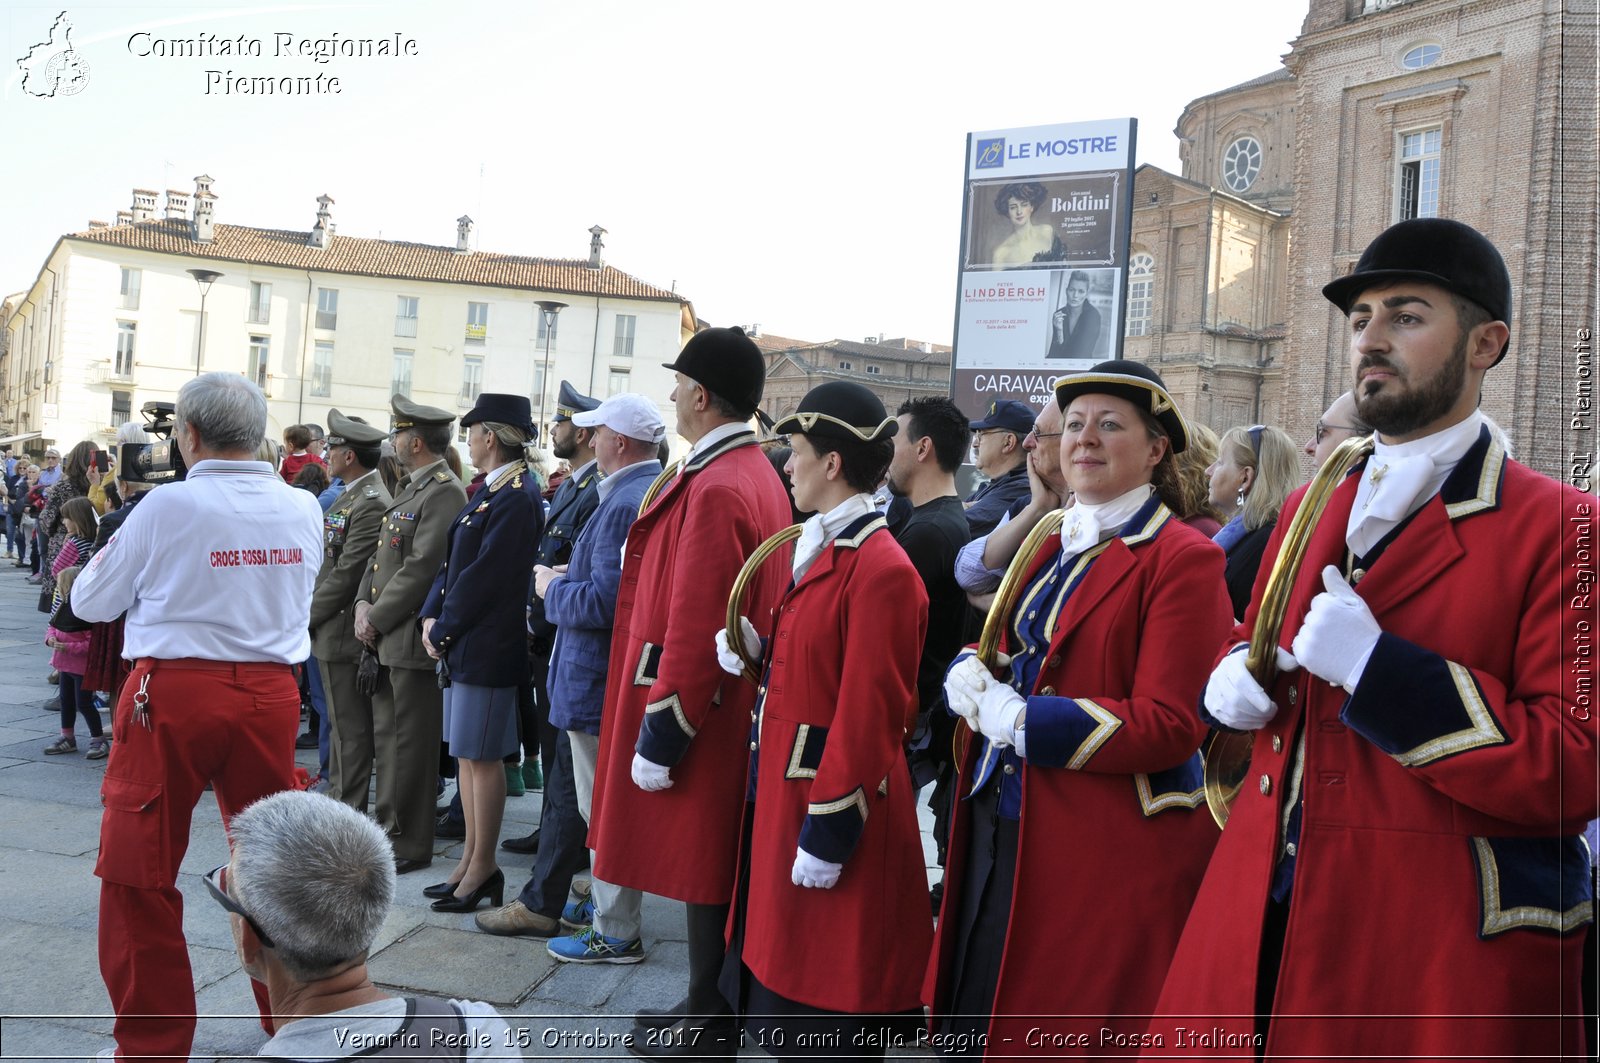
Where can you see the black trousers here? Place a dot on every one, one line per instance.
(561, 853)
(981, 921)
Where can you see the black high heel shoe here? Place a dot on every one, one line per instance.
(440, 889)
(493, 887)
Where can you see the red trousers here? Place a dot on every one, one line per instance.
(232, 725)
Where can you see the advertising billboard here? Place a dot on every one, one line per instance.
(1044, 257)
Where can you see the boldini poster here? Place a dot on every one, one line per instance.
(1044, 256)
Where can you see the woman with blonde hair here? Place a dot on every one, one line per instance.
(1194, 482)
(1255, 470)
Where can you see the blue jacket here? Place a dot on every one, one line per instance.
(479, 599)
(583, 603)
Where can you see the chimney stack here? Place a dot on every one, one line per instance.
(322, 233)
(463, 234)
(124, 217)
(177, 204)
(144, 204)
(596, 247)
(204, 230)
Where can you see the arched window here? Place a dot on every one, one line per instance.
(1141, 282)
(1241, 163)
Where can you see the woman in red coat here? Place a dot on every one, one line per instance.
(828, 931)
(1080, 831)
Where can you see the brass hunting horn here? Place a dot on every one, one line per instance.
(741, 587)
(1228, 758)
(660, 482)
(1005, 599)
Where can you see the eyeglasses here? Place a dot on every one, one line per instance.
(1323, 430)
(1035, 433)
(220, 895)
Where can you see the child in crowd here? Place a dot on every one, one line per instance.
(81, 521)
(71, 659)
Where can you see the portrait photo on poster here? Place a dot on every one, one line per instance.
(1053, 222)
(1083, 314)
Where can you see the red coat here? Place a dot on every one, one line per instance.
(1430, 884)
(1107, 860)
(839, 693)
(666, 695)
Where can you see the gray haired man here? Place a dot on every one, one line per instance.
(304, 928)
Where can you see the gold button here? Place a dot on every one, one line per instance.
(1048, 692)
(374, 566)
(1294, 695)
(1290, 849)
(1357, 575)
(1277, 744)
(1010, 770)
(1054, 661)
(752, 747)
(1033, 614)
(762, 691)
(1266, 784)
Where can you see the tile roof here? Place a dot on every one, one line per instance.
(1280, 74)
(769, 342)
(376, 258)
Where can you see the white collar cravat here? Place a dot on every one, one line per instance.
(822, 528)
(1399, 479)
(1087, 523)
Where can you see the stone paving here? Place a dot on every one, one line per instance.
(53, 1003)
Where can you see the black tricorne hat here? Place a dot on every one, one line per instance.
(840, 409)
(726, 362)
(571, 401)
(1456, 257)
(501, 408)
(1134, 381)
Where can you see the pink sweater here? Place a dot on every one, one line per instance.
(71, 652)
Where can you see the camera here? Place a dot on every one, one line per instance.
(153, 463)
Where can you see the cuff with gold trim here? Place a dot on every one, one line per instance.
(1066, 732)
(665, 734)
(831, 829)
(1445, 712)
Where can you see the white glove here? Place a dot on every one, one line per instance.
(1338, 635)
(965, 683)
(730, 661)
(650, 776)
(998, 710)
(1234, 698)
(813, 873)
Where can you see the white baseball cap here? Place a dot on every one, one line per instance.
(626, 414)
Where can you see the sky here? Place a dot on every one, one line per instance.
(799, 167)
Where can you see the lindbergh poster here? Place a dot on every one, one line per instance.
(1044, 255)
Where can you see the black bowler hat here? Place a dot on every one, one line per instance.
(1456, 257)
(572, 401)
(840, 409)
(501, 408)
(1134, 381)
(727, 363)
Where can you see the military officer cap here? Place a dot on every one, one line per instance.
(572, 401)
(1135, 382)
(1456, 257)
(348, 432)
(727, 363)
(840, 409)
(408, 414)
(499, 407)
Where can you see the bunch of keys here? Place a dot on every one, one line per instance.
(141, 702)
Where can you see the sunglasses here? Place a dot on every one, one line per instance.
(220, 895)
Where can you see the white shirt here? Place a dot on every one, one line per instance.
(715, 436)
(339, 1034)
(823, 528)
(218, 566)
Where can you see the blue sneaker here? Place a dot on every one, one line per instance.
(591, 946)
(578, 915)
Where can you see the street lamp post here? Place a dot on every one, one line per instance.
(550, 308)
(203, 279)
